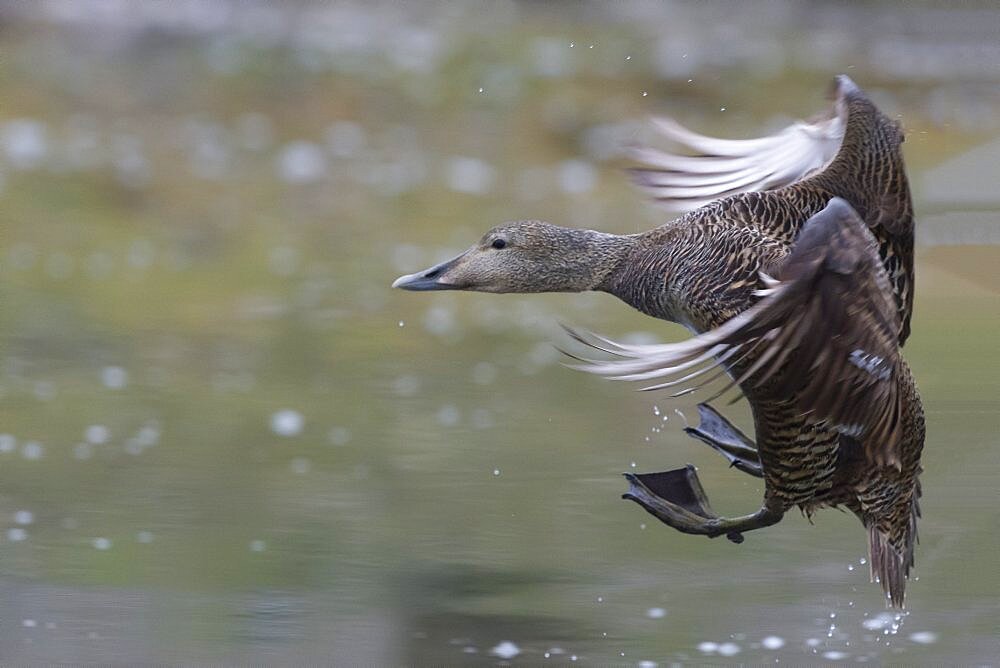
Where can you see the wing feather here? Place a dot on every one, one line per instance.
(824, 332)
(706, 168)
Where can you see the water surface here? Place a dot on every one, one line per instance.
(223, 438)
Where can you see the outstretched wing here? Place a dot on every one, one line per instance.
(705, 168)
(825, 333)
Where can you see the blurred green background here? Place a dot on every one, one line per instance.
(224, 439)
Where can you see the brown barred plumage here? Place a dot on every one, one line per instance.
(796, 275)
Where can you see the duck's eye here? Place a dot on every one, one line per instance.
(499, 244)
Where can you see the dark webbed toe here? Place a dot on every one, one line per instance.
(680, 487)
(727, 439)
(677, 499)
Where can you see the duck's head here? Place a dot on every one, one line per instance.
(524, 256)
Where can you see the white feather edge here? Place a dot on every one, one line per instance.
(723, 167)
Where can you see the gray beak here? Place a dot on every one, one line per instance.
(429, 279)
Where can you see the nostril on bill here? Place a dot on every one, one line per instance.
(433, 273)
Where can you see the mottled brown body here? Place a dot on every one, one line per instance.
(707, 266)
(839, 423)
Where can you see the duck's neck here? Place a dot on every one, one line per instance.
(638, 273)
(587, 259)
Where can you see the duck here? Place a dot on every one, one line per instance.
(792, 267)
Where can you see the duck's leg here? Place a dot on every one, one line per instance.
(677, 499)
(727, 439)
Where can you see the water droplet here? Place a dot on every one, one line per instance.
(850, 567)
(729, 649)
(302, 162)
(773, 642)
(101, 543)
(96, 434)
(708, 647)
(25, 142)
(644, 93)
(600, 599)
(862, 561)
(924, 637)
(257, 545)
(656, 613)
(144, 537)
(506, 650)
(148, 435)
(480, 89)
(24, 517)
(572, 44)
(448, 415)
(628, 57)
(834, 655)
(114, 377)
(29, 623)
(632, 464)
(7, 443)
(572, 658)
(496, 472)
(722, 108)
(401, 323)
(32, 450)
(880, 621)
(287, 422)
(16, 534)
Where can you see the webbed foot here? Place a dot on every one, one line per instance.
(677, 499)
(727, 439)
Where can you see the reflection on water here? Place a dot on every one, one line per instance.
(224, 439)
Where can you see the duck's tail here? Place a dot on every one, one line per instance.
(890, 553)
